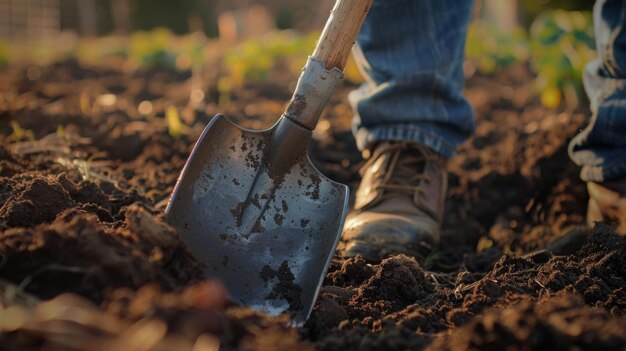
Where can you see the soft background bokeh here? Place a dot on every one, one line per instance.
(227, 43)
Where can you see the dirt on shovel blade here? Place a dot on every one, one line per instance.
(88, 263)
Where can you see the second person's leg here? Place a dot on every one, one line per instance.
(600, 149)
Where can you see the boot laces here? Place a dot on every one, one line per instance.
(404, 174)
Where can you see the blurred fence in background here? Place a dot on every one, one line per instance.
(102, 17)
(21, 19)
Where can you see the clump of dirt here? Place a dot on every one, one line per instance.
(9, 166)
(598, 275)
(352, 271)
(562, 322)
(78, 253)
(396, 282)
(31, 199)
(33, 202)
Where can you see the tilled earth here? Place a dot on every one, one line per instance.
(87, 163)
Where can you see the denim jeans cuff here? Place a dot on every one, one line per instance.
(403, 132)
(614, 171)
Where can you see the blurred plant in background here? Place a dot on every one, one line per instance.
(151, 48)
(489, 49)
(557, 47)
(161, 48)
(249, 48)
(561, 43)
(253, 59)
(98, 50)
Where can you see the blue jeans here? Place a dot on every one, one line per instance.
(412, 55)
(600, 149)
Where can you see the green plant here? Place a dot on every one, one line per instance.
(488, 49)
(20, 133)
(252, 60)
(151, 48)
(561, 43)
(175, 126)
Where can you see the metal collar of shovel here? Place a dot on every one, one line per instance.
(251, 205)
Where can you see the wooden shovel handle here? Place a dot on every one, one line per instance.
(340, 32)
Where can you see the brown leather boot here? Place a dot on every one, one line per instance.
(399, 203)
(607, 203)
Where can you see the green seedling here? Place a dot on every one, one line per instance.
(20, 133)
(61, 131)
(175, 126)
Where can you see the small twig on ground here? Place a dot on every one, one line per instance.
(442, 279)
(462, 288)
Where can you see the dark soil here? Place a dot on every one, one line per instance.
(85, 176)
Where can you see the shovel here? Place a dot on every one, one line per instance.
(251, 205)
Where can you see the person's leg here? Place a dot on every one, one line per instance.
(410, 115)
(600, 149)
(411, 53)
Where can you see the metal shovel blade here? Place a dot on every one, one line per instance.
(264, 223)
